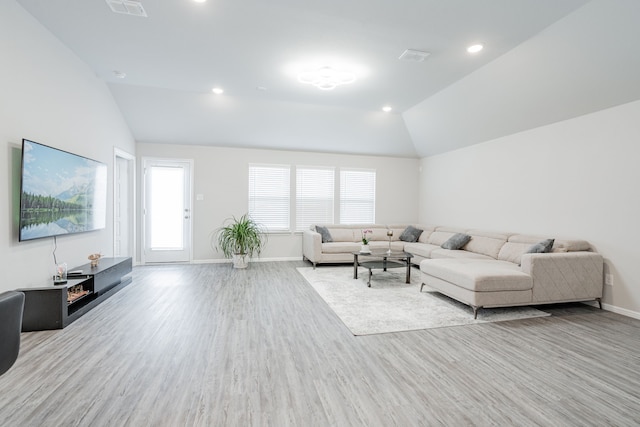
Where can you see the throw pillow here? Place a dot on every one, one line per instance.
(324, 232)
(541, 247)
(456, 241)
(410, 234)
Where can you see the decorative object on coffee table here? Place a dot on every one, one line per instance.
(389, 235)
(364, 248)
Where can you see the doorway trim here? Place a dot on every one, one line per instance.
(131, 162)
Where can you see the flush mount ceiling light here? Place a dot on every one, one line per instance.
(217, 90)
(119, 74)
(199, 1)
(387, 108)
(475, 48)
(326, 78)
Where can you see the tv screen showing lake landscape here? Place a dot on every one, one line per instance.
(62, 193)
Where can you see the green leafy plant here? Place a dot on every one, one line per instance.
(241, 236)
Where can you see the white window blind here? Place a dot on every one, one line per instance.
(314, 196)
(357, 196)
(269, 196)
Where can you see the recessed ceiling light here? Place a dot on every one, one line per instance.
(199, 1)
(217, 90)
(262, 88)
(386, 108)
(119, 74)
(475, 48)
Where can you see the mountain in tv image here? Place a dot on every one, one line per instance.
(62, 193)
(78, 195)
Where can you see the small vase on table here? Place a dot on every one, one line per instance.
(389, 235)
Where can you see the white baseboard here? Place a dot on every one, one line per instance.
(620, 310)
(615, 309)
(224, 260)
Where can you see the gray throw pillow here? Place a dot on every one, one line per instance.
(456, 241)
(541, 247)
(324, 232)
(410, 234)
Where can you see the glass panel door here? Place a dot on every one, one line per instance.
(167, 211)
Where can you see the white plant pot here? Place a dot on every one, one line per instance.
(240, 260)
(365, 249)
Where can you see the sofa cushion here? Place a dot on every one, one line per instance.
(440, 235)
(559, 245)
(448, 253)
(420, 249)
(426, 232)
(345, 234)
(399, 228)
(512, 251)
(486, 242)
(541, 247)
(378, 234)
(457, 241)
(478, 275)
(324, 232)
(410, 234)
(340, 247)
(571, 245)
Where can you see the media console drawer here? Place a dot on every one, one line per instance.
(57, 306)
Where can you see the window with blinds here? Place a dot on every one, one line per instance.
(269, 196)
(357, 196)
(314, 196)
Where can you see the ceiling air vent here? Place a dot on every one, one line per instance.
(412, 55)
(127, 7)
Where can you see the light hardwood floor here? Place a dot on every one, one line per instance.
(204, 345)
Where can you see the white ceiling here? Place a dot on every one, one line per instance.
(182, 49)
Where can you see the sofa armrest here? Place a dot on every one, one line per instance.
(568, 276)
(312, 245)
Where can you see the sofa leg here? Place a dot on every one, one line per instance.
(314, 265)
(475, 311)
(421, 286)
(599, 302)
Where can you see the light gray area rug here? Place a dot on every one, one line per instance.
(391, 305)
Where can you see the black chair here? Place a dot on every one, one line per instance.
(11, 307)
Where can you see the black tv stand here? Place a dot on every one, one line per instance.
(57, 305)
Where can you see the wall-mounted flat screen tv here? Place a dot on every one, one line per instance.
(61, 193)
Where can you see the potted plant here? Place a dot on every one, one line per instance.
(239, 239)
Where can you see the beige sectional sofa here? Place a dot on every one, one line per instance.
(492, 270)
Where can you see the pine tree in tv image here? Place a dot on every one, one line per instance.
(62, 193)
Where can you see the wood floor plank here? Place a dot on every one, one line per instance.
(206, 345)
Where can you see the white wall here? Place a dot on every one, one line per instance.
(583, 63)
(573, 179)
(50, 96)
(221, 176)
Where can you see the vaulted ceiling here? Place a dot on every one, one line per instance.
(543, 61)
